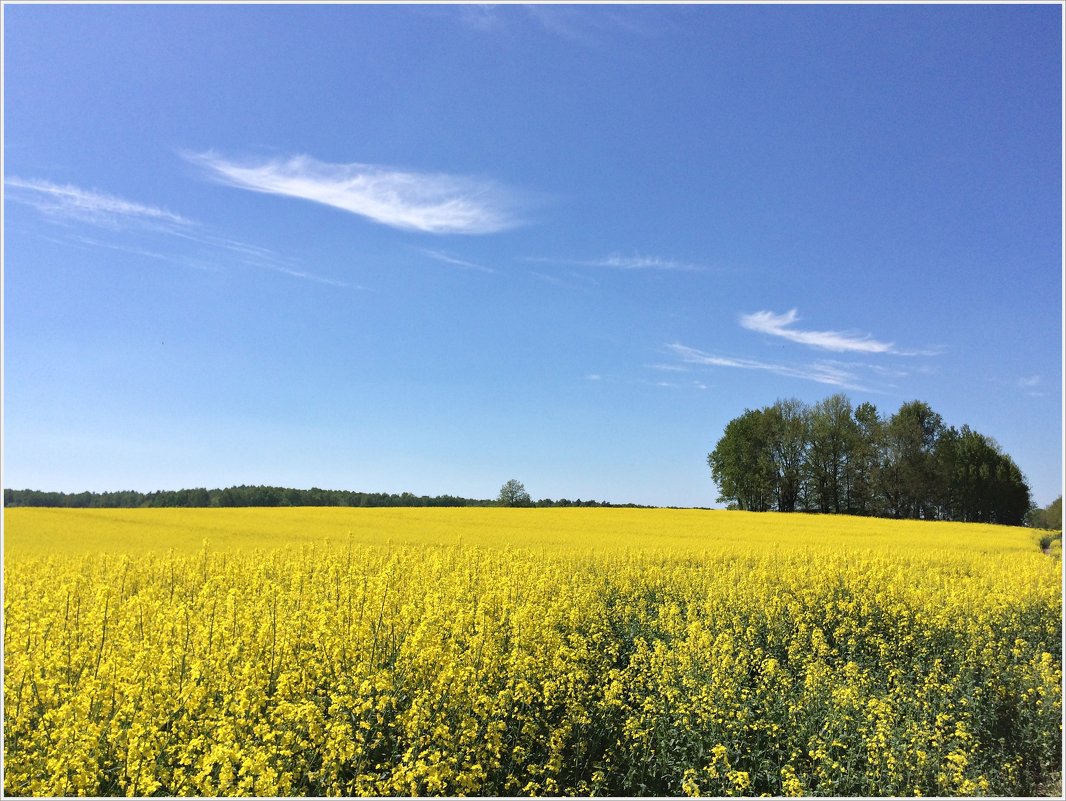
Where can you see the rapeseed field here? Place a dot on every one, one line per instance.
(381, 652)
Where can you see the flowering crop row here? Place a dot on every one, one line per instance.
(443, 664)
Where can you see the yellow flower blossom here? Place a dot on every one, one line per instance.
(348, 652)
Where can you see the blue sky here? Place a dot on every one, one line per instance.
(429, 249)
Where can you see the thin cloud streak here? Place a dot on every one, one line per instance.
(86, 205)
(579, 283)
(571, 24)
(306, 276)
(823, 372)
(592, 30)
(644, 263)
(137, 221)
(444, 257)
(265, 259)
(668, 368)
(1032, 385)
(618, 262)
(436, 203)
(136, 251)
(778, 325)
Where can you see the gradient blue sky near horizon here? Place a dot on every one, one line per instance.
(431, 248)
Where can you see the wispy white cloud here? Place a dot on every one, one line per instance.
(148, 231)
(318, 279)
(86, 205)
(669, 368)
(479, 16)
(1032, 385)
(681, 384)
(448, 259)
(780, 325)
(262, 258)
(91, 242)
(828, 372)
(437, 203)
(619, 262)
(576, 25)
(574, 281)
(589, 28)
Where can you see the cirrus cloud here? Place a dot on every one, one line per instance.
(436, 203)
(146, 231)
(833, 373)
(87, 205)
(617, 261)
(779, 325)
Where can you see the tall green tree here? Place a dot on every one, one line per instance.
(1012, 493)
(981, 483)
(911, 479)
(742, 465)
(787, 430)
(866, 461)
(834, 435)
(513, 493)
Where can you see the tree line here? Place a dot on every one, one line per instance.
(255, 496)
(513, 494)
(832, 457)
(244, 495)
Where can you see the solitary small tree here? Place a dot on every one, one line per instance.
(513, 493)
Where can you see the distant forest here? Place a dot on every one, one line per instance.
(832, 457)
(254, 496)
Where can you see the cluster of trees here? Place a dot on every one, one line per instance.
(268, 496)
(1049, 517)
(833, 457)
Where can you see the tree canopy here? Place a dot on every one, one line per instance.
(835, 458)
(513, 493)
(1049, 517)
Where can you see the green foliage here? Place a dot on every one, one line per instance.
(910, 489)
(742, 464)
(1050, 517)
(513, 493)
(834, 458)
(833, 433)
